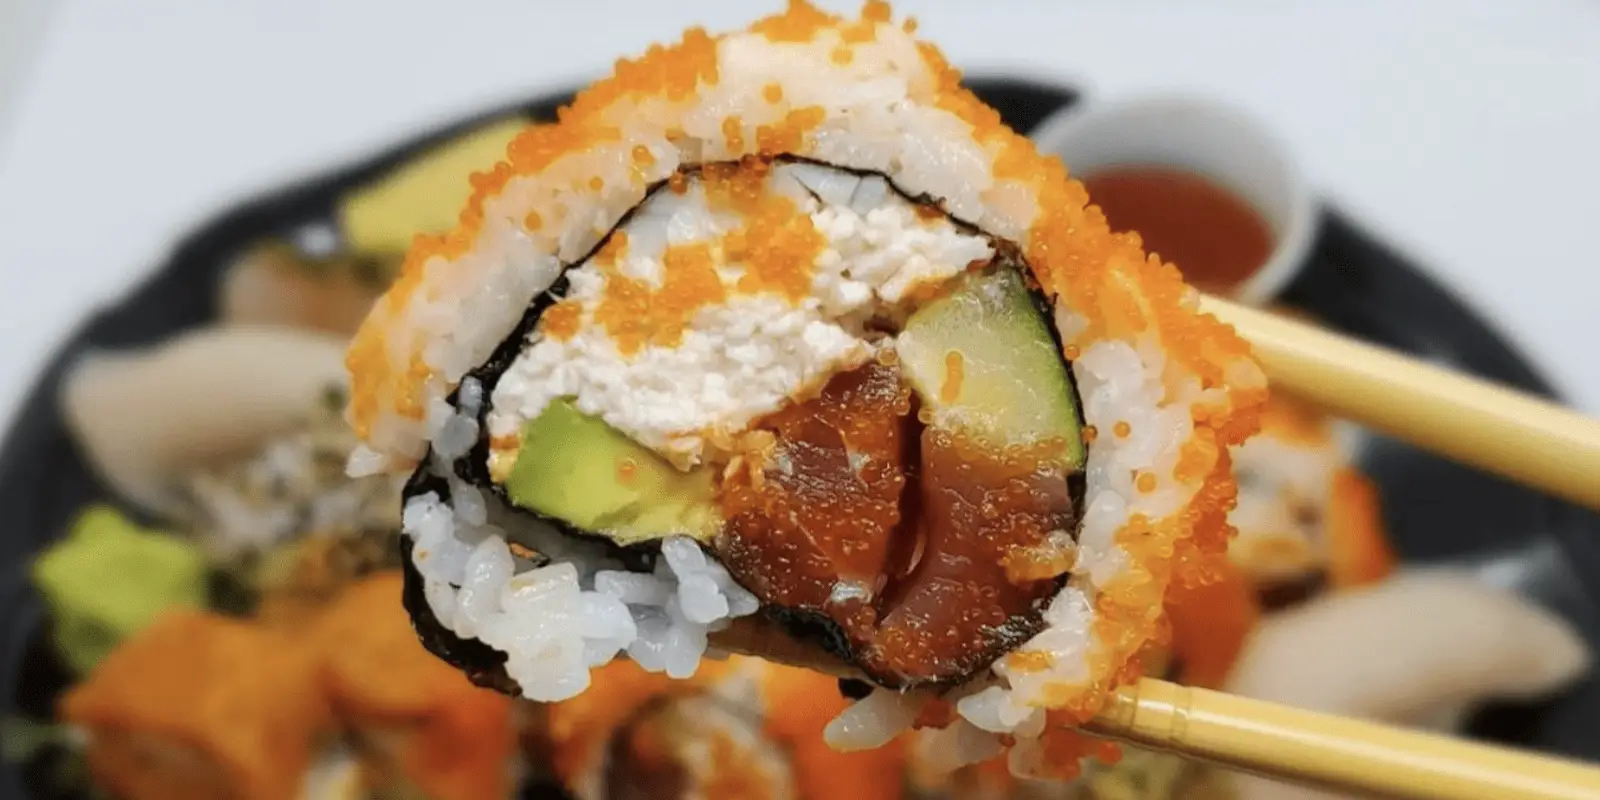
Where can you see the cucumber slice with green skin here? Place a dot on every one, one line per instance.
(577, 469)
(984, 360)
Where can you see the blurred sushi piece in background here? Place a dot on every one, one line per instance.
(346, 706)
(327, 277)
(1307, 519)
(742, 727)
(417, 724)
(200, 707)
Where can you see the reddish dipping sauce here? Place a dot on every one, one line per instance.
(1216, 239)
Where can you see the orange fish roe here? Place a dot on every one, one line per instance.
(1122, 429)
(674, 72)
(1194, 458)
(627, 471)
(1146, 482)
(634, 314)
(533, 221)
(1065, 749)
(778, 244)
(642, 156)
(1131, 603)
(789, 135)
(1211, 619)
(1090, 433)
(733, 132)
(560, 321)
(1024, 564)
(772, 92)
(800, 22)
(678, 183)
(910, 25)
(950, 389)
(1029, 661)
(842, 55)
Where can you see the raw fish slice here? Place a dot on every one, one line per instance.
(145, 417)
(1420, 649)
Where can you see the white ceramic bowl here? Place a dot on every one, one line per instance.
(1208, 138)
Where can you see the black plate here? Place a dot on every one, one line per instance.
(1435, 510)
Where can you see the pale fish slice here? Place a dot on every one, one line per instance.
(145, 417)
(272, 285)
(1420, 649)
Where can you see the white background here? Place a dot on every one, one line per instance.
(1466, 132)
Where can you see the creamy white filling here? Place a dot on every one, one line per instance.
(742, 358)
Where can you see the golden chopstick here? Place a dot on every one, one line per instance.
(1334, 752)
(1488, 426)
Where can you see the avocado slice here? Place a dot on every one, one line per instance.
(577, 469)
(110, 578)
(983, 359)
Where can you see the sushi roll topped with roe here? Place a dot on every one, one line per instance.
(780, 342)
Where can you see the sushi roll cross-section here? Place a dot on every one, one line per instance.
(779, 342)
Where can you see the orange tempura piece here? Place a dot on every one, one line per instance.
(201, 707)
(455, 738)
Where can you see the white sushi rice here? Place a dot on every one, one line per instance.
(877, 119)
(558, 621)
(744, 358)
(880, 116)
(873, 721)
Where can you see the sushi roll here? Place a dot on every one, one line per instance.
(204, 707)
(780, 342)
(1307, 520)
(745, 728)
(418, 724)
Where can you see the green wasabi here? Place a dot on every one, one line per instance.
(109, 578)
